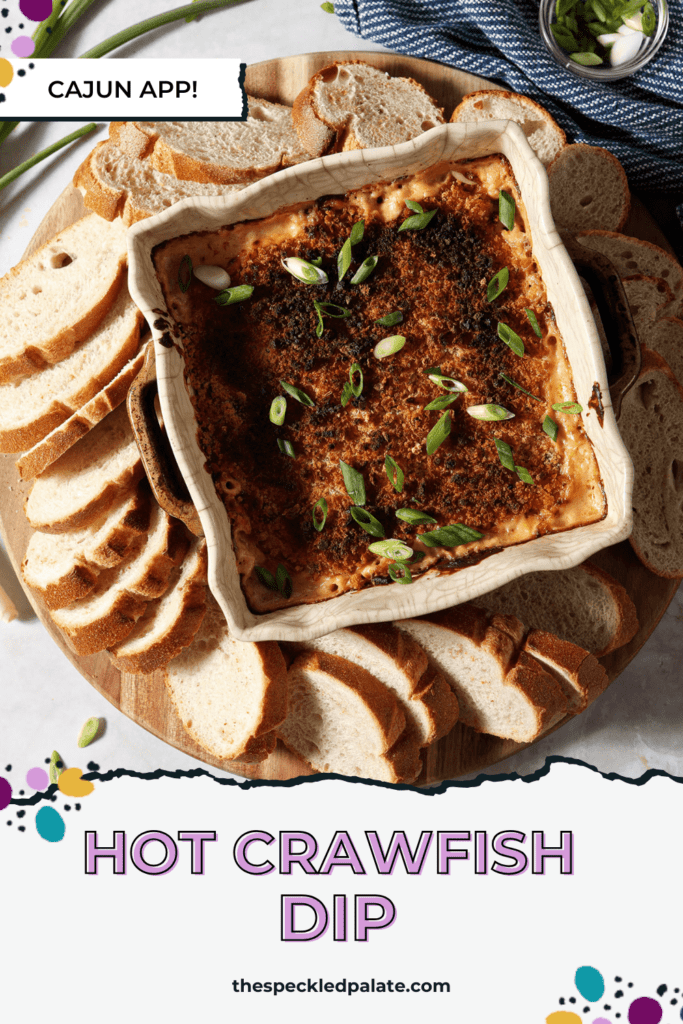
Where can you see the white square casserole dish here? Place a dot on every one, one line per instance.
(339, 174)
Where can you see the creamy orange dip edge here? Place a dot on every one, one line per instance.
(436, 277)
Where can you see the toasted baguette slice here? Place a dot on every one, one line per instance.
(583, 605)
(579, 673)
(499, 691)
(341, 719)
(117, 185)
(36, 460)
(397, 661)
(647, 298)
(651, 425)
(57, 297)
(223, 152)
(665, 337)
(84, 483)
(170, 623)
(36, 405)
(351, 105)
(110, 611)
(543, 134)
(588, 189)
(64, 567)
(632, 256)
(229, 695)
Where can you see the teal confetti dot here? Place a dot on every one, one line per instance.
(50, 824)
(590, 983)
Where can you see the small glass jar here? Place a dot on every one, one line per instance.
(604, 72)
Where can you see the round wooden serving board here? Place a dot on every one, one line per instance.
(144, 698)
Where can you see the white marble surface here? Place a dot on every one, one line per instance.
(43, 699)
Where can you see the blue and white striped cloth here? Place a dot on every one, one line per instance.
(639, 119)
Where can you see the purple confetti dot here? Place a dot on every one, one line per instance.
(36, 10)
(645, 1011)
(37, 778)
(23, 46)
(5, 793)
(601, 1020)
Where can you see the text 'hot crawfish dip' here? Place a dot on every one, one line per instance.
(392, 385)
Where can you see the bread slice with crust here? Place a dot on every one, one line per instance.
(632, 256)
(351, 105)
(579, 673)
(229, 695)
(665, 337)
(34, 406)
(341, 719)
(110, 611)
(398, 662)
(588, 189)
(169, 623)
(543, 134)
(647, 297)
(64, 567)
(86, 481)
(117, 185)
(55, 298)
(223, 152)
(37, 459)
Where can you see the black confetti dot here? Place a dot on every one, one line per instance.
(5, 12)
(673, 1002)
(630, 984)
(20, 814)
(53, 798)
(21, 26)
(617, 979)
(571, 999)
(77, 807)
(21, 72)
(8, 767)
(586, 1009)
(617, 1015)
(676, 990)
(2, 97)
(607, 1006)
(67, 807)
(32, 67)
(47, 760)
(22, 828)
(21, 792)
(9, 822)
(561, 1001)
(661, 990)
(618, 994)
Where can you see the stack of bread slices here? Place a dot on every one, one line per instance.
(118, 574)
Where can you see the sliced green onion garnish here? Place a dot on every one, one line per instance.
(412, 516)
(284, 582)
(304, 271)
(317, 261)
(278, 408)
(321, 504)
(419, 220)
(367, 522)
(442, 402)
(185, 273)
(524, 475)
(389, 346)
(531, 317)
(511, 339)
(518, 386)
(490, 412)
(394, 473)
(504, 453)
(497, 284)
(433, 369)
(400, 573)
(390, 320)
(324, 309)
(572, 408)
(439, 432)
(347, 394)
(266, 577)
(365, 269)
(300, 396)
(448, 383)
(450, 536)
(356, 388)
(415, 207)
(286, 447)
(506, 209)
(232, 295)
(344, 258)
(394, 549)
(649, 20)
(354, 483)
(551, 428)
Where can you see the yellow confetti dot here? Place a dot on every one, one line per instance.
(6, 72)
(563, 1017)
(71, 784)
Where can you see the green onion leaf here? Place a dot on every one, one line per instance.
(185, 273)
(439, 432)
(497, 284)
(300, 396)
(397, 550)
(415, 207)
(232, 295)
(357, 232)
(417, 222)
(511, 339)
(649, 20)
(504, 454)
(413, 516)
(321, 504)
(317, 262)
(389, 346)
(506, 209)
(367, 522)
(519, 387)
(283, 581)
(356, 388)
(448, 383)
(344, 258)
(490, 412)
(266, 578)
(450, 536)
(354, 483)
(524, 475)
(400, 573)
(394, 473)
(390, 319)
(432, 369)
(365, 269)
(572, 408)
(531, 317)
(278, 408)
(286, 447)
(442, 402)
(586, 59)
(324, 309)
(327, 7)
(347, 394)
(551, 428)
(304, 271)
